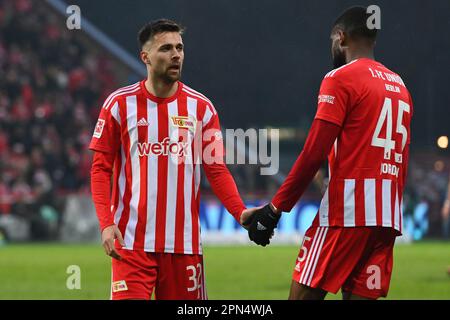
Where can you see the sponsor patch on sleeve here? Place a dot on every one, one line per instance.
(326, 98)
(99, 128)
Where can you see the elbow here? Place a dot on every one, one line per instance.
(97, 168)
(315, 160)
(101, 165)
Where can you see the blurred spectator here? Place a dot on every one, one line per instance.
(50, 92)
(446, 214)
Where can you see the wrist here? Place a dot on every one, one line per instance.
(241, 211)
(274, 209)
(447, 202)
(106, 225)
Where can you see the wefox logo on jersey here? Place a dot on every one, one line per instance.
(163, 148)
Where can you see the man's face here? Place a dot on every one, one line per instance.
(164, 54)
(337, 52)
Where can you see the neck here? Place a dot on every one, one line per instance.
(160, 88)
(357, 54)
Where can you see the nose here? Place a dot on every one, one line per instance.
(176, 55)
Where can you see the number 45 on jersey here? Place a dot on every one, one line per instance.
(386, 116)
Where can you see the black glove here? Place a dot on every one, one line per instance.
(262, 223)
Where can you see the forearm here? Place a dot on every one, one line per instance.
(101, 172)
(317, 146)
(224, 187)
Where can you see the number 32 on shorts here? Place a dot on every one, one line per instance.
(195, 277)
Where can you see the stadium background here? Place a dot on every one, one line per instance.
(261, 62)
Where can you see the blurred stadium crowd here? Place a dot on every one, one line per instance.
(52, 83)
(50, 89)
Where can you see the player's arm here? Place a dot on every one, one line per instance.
(101, 172)
(331, 111)
(216, 171)
(332, 108)
(105, 144)
(318, 144)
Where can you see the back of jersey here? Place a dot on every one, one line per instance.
(368, 163)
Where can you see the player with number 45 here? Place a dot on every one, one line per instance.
(363, 125)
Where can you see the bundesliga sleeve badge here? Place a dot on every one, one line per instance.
(99, 128)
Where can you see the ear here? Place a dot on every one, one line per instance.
(144, 57)
(342, 38)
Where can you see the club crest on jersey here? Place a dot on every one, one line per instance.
(99, 128)
(183, 122)
(119, 286)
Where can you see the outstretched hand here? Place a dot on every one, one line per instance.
(247, 216)
(260, 223)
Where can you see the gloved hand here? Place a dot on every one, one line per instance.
(261, 224)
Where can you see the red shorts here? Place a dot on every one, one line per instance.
(357, 260)
(171, 276)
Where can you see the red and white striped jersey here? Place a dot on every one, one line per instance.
(368, 163)
(155, 199)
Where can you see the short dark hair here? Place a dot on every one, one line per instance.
(353, 21)
(149, 30)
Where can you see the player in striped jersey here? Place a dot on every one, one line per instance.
(363, 123)
(154, 135)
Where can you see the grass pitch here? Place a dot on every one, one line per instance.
(39, 271)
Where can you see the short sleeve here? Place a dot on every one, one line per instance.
(333, 101)
(106, 136)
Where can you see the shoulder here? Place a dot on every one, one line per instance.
(391, 75)
(202, 100)
(344, 71)
(122, 92)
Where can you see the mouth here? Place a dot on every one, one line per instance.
(174, 67)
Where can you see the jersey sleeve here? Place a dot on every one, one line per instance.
(212, 136)
(333, 100)
(106, 136)
(216, 171)
(101, 171)
(317, 146)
